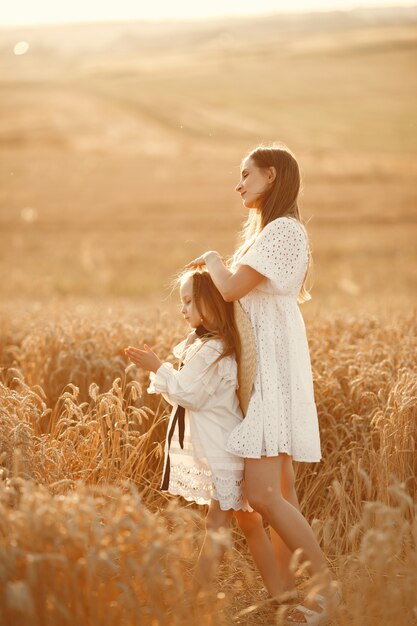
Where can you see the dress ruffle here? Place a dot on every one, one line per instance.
(163, 371)
(227, 367)
(179, 348)
(195, 484)
(228, 370)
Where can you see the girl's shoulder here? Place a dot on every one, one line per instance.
(214, 342)
(208, 348)
(226, 367)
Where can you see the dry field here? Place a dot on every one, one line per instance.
(119, 152)
(87, 538)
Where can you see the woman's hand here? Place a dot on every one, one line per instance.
(202, 260)
(146, 359)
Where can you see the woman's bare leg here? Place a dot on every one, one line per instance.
(274, 568)
(261, 549)
(212, 551)
(262, 483)
(282, 553)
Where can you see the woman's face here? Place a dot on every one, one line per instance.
(188, 308)
(253, 182)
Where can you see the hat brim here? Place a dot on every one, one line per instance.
(246, 366)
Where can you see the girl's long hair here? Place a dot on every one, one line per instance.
(280, 200)
(216, 313)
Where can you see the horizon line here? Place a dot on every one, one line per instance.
(184, 19)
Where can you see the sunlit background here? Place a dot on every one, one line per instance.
(122, 126)
(48, 11)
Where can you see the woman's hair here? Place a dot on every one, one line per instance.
(216, 313)
(280, 200)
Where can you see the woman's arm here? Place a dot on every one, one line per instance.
(232, 285)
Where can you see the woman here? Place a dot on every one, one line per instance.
(267, 276)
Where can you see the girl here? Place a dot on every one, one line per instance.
(205, 411)
(268, 274)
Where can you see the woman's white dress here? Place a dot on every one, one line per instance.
(203, 469)
(282, 415)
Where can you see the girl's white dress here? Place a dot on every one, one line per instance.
(282, 415)
(203, 469)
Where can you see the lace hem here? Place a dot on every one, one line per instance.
(200, 486)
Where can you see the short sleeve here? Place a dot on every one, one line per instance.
(280, 252)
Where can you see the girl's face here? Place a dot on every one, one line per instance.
(253, 182)
(188, 309)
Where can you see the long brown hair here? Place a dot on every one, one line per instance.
(216, 313)
(280, 200)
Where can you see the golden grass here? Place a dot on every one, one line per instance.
(88, 538)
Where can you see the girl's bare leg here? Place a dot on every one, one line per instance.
(262, 482)
(212, 550)
(261, 549)
(282, 553)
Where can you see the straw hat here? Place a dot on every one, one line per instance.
(246, 367)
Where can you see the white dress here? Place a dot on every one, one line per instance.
(203, 469)
(282, 415)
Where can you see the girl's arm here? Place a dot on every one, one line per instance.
(193, 384)
(232, 285)
(190, 386)
(146, 359)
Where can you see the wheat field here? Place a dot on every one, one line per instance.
(119, 151)
(87, 536)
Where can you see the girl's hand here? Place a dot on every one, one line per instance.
(146, 359)
(202, 260)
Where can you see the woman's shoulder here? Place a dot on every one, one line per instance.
(285, 222)
(283, 227)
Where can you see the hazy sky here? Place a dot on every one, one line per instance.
(47, 11)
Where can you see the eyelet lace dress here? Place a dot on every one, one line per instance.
(282, 415)
(203, 469)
